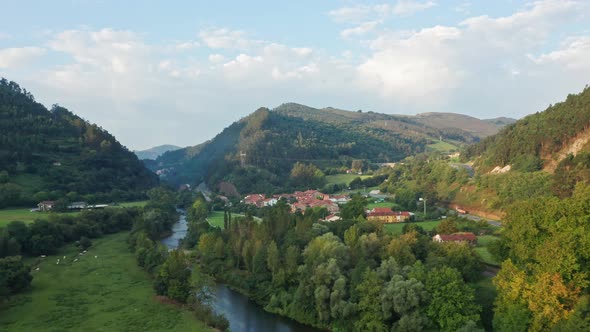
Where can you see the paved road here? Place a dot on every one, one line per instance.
(496, 223)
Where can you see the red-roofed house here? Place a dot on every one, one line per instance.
(456, 237)
(255, 199)
(386, 215)
(332, 218)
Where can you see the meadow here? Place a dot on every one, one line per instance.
(344, 178)
(215, 218)
(396, 228)
(25, 215)
(104, 290)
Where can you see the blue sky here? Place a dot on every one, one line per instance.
(178, 72)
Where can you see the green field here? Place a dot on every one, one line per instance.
(344, 178)
(216, 218)
(397, 227)
(108, 293)
(24, 215)
(371, 206)
(442, 147)
(133, 204)
(482, 250)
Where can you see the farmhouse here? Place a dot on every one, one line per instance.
(386, 215)
(332, 218)
(466, 237)
(46, 205)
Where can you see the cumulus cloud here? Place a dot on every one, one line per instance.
(223, 38)
(19, 56)
(438, 62)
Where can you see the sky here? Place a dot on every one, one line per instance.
(178, 72)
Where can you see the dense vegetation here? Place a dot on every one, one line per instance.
(536, 137)
(54, 154)
(258, 153)
(348, 275)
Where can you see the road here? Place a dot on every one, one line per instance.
(496, 223)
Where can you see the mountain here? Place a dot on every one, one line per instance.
(53, 154)
(500, 122)
(258, 152)
(479, 128)
(556, 140)
(155, 152)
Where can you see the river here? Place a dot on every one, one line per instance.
(243, 314)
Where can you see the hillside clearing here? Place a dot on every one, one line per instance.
(344, 178)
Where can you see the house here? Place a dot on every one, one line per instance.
(77, 206)
(386, 215)
(340, 199)
(332, 218)
(269, 202)
(254, 199)
(466, 237)
(45, 205)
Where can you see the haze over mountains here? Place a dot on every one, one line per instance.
(155, 152)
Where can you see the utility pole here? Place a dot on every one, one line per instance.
(424, 200)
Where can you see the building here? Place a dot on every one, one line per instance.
(45, 205)
(466, 237)
(332, 218)
(255, 199)
(340, 199)
(77, 206)
(386, 215)
(269, 202)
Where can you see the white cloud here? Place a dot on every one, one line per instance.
(409, 7)
(359, 30)
(19, 56)
(351, 14)
(573, 55)
(443, 62)
(187, 45)
(216, 58)
(224, 38)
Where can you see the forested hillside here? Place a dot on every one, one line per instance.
(258, 153)
(54, 154)
(556, 140)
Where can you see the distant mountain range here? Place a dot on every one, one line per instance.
(155, 152)
(258, 152)
(54, 154)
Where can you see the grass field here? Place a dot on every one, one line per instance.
(344, 178)
(24, 215)
(108, 293)
(397, 227)
(442, 147)
(133, 204)
(216, 218)
(371, 206)
(482, 250)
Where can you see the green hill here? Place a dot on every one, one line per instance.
(556, 140)
(258, 152)
(53, 154)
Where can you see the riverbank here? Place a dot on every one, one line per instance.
(106, 293)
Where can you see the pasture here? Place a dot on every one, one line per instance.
(106, 293)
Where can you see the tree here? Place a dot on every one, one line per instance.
(174, 277)
(84, 243)
(452, 301)
(354, 208)
(15, 276)
(371, 316)
(447, 226)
